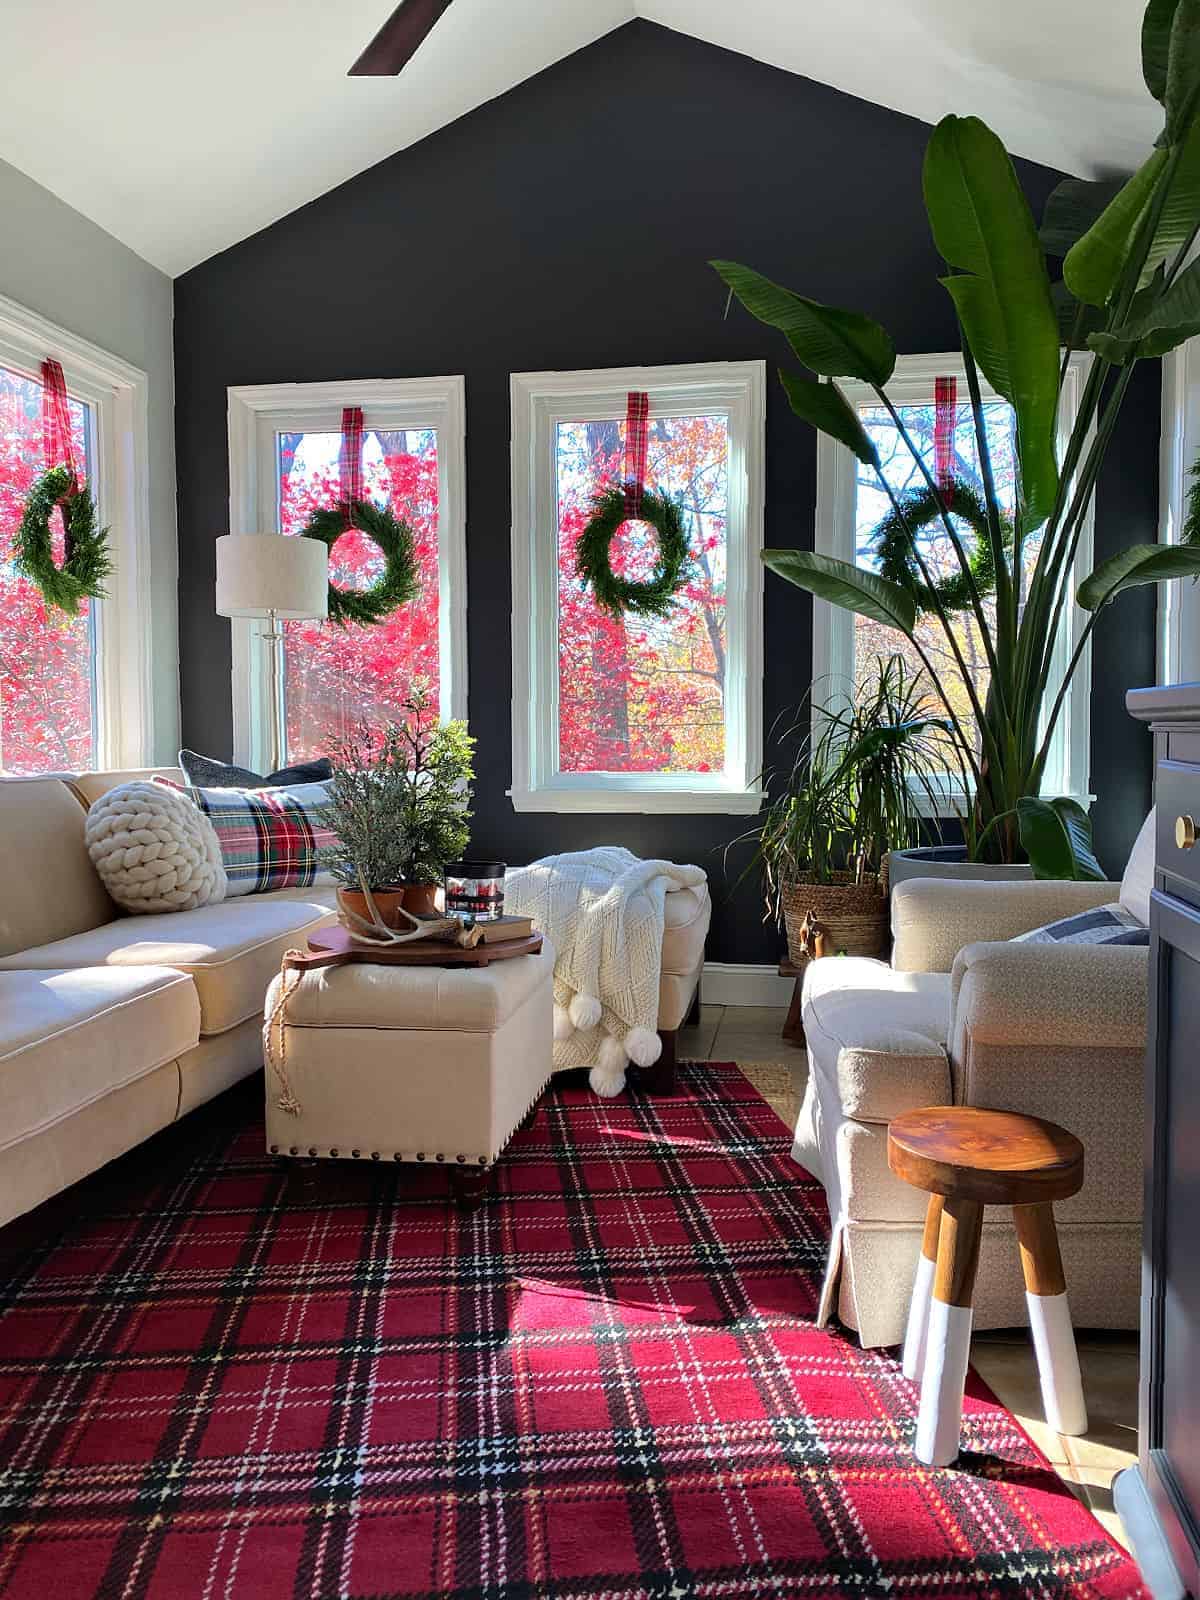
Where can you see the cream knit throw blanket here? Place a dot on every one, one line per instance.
(603, 910)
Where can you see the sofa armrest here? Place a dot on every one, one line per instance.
(933, 918)
(1046, 995)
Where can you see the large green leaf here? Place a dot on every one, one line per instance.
(1094, 265)
(830, 342)
(1183, 68)
(1074, 207)
(982, 225)
(847, 586)
(1156, 45)
(1180, 209)
(1139, 564)
(826, 407)
(1173, 307)
(1121, 351)
(1056, 835)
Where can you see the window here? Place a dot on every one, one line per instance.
(284, 444)
(73, 690)
(850, 505)
(638, 714)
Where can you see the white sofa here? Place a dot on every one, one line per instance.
(961, 1016)
(113, 1026)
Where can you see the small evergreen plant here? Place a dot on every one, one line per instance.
(399, 801)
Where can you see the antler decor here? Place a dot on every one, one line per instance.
(376, 931)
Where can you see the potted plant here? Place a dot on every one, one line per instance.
(398, 804)
(1127, 293)
(861, 785)
(435, 769)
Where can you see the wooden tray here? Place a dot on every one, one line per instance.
(334, 947)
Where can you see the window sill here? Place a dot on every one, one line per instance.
(659, 802)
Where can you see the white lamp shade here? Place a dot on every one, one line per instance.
(262, 572)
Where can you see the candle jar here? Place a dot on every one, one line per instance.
(476, 889)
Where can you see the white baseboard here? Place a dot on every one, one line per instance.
(734, 983)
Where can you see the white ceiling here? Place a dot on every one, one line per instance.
(182, 128)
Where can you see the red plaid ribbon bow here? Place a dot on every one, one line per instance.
(945, 421)
(637, 441)
(350, 459)
(56, 419)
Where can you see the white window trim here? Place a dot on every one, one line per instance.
(120, 485)
(256, 413)
(540, 400)
(833, 627)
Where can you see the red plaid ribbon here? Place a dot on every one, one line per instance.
(56, 419)
(350, 457)
(945, 421)
(637, 442)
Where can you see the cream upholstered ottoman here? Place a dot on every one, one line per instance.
(392, 1063)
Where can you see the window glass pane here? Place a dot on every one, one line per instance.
(872, 639)
(335, 677)
(643, 694)
(47, 658)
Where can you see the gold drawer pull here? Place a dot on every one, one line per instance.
(1185, 832)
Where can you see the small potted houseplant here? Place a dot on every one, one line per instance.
(435, 769)
(861, 785)
(398, 805)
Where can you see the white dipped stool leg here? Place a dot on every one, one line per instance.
(913, 1359)
(1050, 1319)
(948, 1336)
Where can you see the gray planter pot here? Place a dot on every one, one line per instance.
(949, 861)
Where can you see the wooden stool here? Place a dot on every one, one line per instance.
(965, 1158)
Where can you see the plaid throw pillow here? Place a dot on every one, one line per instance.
(270, 838)
(1106, 925)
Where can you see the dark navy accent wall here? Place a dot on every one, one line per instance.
(567, 225)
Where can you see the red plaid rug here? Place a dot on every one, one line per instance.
(218, 1380)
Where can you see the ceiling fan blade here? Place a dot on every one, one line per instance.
(401, 36)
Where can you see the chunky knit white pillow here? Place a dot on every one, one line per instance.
(154, 850)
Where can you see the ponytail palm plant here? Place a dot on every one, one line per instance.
(1127, 293)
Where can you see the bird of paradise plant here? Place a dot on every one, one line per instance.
(1127, 293)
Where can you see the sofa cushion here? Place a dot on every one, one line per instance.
(232, 950)
(50, 888)
(1137, 881)
(89, 786)
(270, 838)
(68, 1038)
(1110, 924)
(686, 914)
(877, 1037)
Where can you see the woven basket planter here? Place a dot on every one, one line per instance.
(853, 916)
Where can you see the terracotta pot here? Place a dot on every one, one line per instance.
(387, 903)
(419, 899)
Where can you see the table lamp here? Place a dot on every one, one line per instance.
(279, 577)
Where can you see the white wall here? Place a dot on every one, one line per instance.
(57, 263)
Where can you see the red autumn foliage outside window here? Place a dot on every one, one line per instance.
(47, 658)
(642, 694)
(338, 677)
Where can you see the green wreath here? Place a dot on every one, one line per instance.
(617, 595)
(396, 585)
(87, 562)
(916, 509)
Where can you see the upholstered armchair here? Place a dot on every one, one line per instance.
(962, 1016)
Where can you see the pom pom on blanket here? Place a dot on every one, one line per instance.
(584, 1012)
(643, 1047)
(607, 1077)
